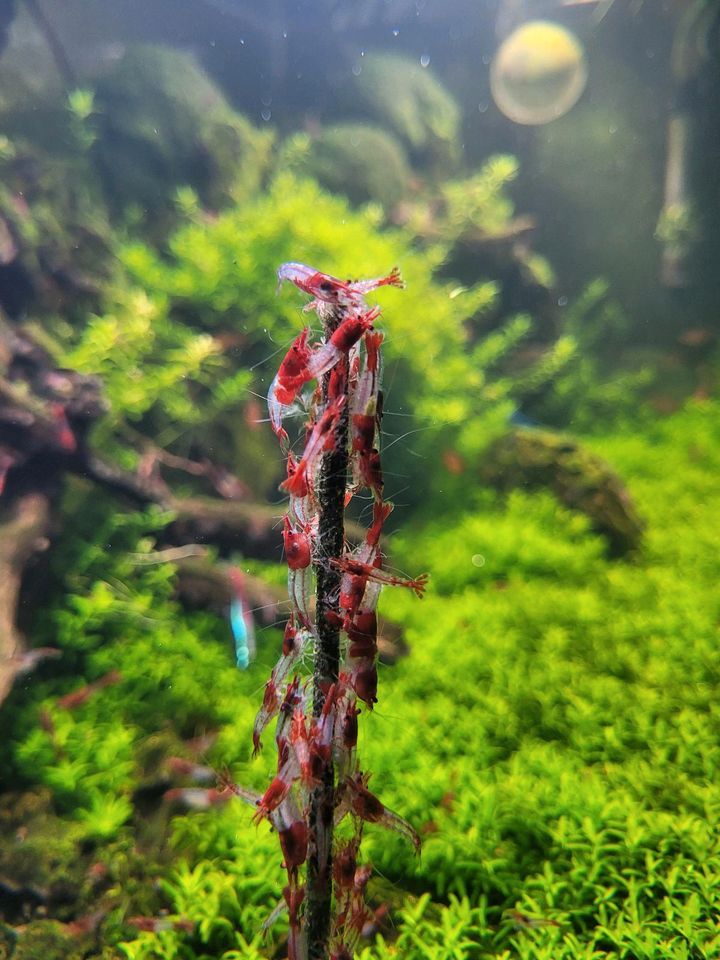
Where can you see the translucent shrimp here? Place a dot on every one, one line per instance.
(341, 341)
(359, 569)
(328, 289)
(368, 807)
(294, 643)
(320, 440)
(287, 383)
(363, 413)
(279, 788)
(300, 743)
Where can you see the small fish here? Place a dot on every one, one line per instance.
(519, 419)
(196, 798)
(523, 922)
(75, 699)
(202, 743)
(22, 663)
(160, 924)
(180, 767)
(241, 621)
(87, 924)
(26, 662)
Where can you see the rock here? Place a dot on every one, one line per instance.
(363, 162)
(49, 940)
(400, 94)
(530, 458)
(162, 123)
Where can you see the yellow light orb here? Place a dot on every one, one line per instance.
(538, 73)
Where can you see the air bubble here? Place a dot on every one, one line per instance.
(266, 114)
(424, 60)
(478, 560)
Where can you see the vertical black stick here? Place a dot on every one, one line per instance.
(330, 540)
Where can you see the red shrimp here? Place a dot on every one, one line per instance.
(369, 470)
(279, 788)
(363, 417)
(292, 374)
(364, 680)
(369, 572)
(368, 807)
(362, 632)
(268, 709)
(321, 435)
(341, 341)
(301, 745)
(298, 549)
(291, 700)
(293, 834)
(329, 289)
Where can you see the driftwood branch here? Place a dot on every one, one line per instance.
(24, 527)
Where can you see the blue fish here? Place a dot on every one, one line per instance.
(241, 624)
(518, 419)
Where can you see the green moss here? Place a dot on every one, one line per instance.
(47, 939)
(404, 96)
(162, 124)
(361, 162)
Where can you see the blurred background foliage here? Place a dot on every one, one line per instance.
(561, 678)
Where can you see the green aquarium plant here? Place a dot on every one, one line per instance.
(319, 781)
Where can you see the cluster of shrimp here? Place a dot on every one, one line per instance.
(347, 411)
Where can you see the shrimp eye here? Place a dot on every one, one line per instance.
(326, 287)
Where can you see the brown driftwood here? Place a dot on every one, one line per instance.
(23, 533)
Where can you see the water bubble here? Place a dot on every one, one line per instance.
(478, 560)
(357, 70)
(396, 33)
(483, 106)
(424, 60)
(538, 73)
(266, 114)
(562, 301)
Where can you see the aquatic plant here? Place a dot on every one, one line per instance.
(319, 781)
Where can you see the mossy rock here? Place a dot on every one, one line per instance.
(360, 161)
(163, 124)
(533, 459)
(398, 93)
(39, 855)
(48, 940)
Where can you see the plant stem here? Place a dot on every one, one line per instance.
(330, 541)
